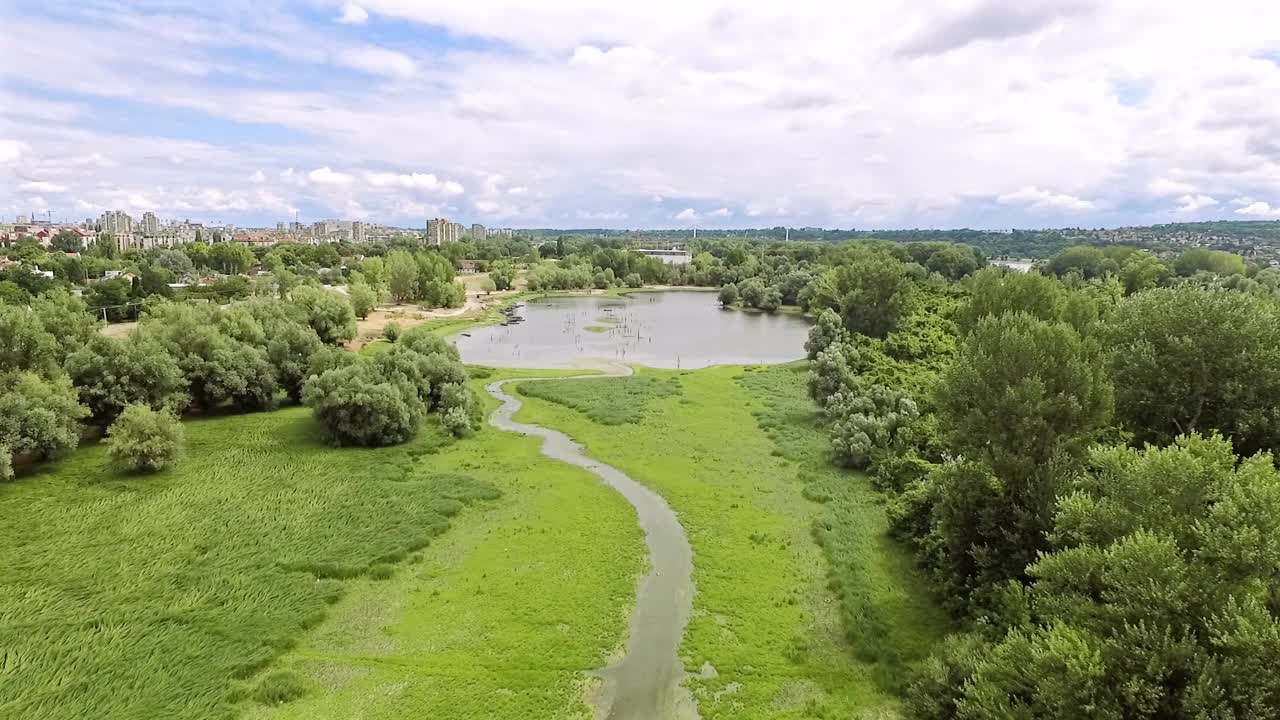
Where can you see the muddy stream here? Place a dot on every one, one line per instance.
(645, 684)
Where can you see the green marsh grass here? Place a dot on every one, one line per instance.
(166, 596)
(501, 618)
(608, 401)
(769, 636)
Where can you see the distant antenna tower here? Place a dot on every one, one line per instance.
(788, 238)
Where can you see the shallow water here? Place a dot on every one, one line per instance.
(646, 683)
(674, 329)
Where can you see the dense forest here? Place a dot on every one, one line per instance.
(1082, 461)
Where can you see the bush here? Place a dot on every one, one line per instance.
(357, 407)
(363, 299)
(145, 440)
(729, 294)
(39, 416)
(6, 463)
(864, 422)
(633, 280)
(391, 332)
(328, 313)
(111, 374)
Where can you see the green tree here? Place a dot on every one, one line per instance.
(39, 415)
(402, 276)
(145, 440)
(953, 261)
(871, 291)
(751, 292)
(1143, 271)
(996, 291)
(1216, 262)
(356, 406)
(231, 258)
(728, 294)
(27, 344)
(110, 374)
(1156, 599)
(1087, 262)
(1020, 390)
(503, 274)
(1187, 359)
(218, 368)
(364, 299)
(67, 241)
(328, 313)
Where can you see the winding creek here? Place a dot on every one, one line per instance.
(646, 683)
(677, 329)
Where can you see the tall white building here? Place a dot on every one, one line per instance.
(357, 231)
(437, 231)
(150, 223)
(478, 231)
(116, 222)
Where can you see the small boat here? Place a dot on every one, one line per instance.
(465, 334)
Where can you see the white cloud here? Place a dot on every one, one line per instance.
(723, 212)
(40, 186)
(378, 61)
(688, 215)
(353, 14)
(639, 107)
(257, 177)
(518, 190)
(11, 150)
(592, 55)
(609, 215)
(325, 176)
(1037, 198)
(1165, 186)
(415, 181)
(1260, 209)
(1195, 203)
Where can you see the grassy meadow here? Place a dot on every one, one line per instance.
(774, 614)
(505, 616)
(165, 595)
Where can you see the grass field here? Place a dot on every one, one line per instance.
(504, 616)
(769, 638)
(163, 596)
(181, 595)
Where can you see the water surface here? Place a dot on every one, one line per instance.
(674, 329)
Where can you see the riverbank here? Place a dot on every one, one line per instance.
(506, 617)
(768, 637)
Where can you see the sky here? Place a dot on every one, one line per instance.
(657, 114)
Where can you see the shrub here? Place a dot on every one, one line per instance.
(363, 299)
(145, 440)
(111, 374)
(633, 280)
(864, 422)
(328, 313)
(728, 294)
(39, 416)
(6, 463)
(357, 407)
(391, 332)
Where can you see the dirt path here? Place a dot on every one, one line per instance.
(645, 684)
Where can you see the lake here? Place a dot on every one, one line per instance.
(672, 329)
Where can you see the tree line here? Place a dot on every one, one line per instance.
(59, 374)
(1082, 460)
